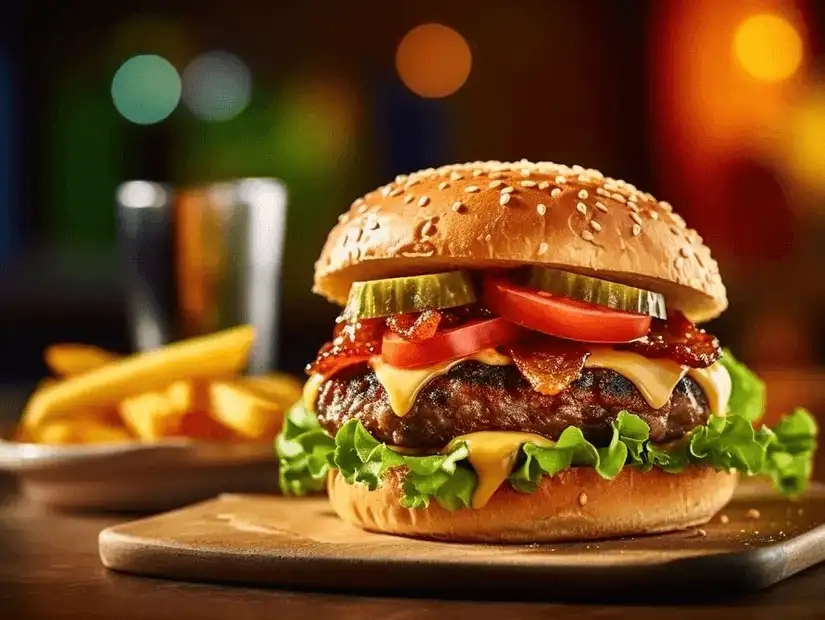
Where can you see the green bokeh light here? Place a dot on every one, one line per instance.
(146, 89)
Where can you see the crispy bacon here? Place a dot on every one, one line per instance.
(679, 340)
(549, 364)
(415, 327)
(354, 342)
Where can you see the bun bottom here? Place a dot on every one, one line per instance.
(576, 504)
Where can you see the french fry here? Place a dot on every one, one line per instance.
(61, 432)
(281, 388)
(244, 410)
(154, 415)
(69, 360)
(217, 355)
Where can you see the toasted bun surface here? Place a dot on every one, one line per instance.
(571, 218)
(576, 504)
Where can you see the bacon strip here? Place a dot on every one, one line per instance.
(549, 364)
(415, 327)
(679, 340)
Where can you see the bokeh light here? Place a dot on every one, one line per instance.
(217, 86)
(768, 47)
(806, 154)
(146, 89)
(433, 60)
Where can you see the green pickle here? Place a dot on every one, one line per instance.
(597, 291)
(378, 298)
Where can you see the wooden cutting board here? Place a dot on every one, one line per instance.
(299, 542)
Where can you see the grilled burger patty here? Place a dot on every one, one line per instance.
(475, 397)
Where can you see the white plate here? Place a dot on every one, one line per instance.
(138, 476)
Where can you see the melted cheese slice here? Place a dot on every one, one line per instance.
(310, 392)
(654, 378)
(492, 454)
(716, 384)
(403, 384)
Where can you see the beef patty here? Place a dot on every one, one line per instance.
(475, 397)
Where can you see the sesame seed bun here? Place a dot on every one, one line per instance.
(490, 214)
(576, 504)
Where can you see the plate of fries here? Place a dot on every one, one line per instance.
(152, 430)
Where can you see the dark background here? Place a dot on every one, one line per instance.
(657, 93)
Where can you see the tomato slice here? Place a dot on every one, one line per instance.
(448, 345)
(561, 316)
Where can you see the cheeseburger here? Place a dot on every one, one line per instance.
(518, 360)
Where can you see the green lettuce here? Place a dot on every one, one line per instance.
(747, 398)
(783, 453)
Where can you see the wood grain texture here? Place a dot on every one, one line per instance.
(301, 543)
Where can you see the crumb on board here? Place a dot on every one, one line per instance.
(701, 532)
(800, 512)
(582, 499)
(753, 513)
(724, 519)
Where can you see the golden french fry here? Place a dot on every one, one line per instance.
(245, 411)
(217, 355)
(281, 388)
(79, 432)
(68, 360)
(154, 415)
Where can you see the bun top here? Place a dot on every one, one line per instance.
(481, 215)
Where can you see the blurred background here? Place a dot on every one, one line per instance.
(717, 107)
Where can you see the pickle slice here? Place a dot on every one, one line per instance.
(377, 298)
(597, 291)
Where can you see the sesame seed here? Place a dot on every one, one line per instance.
(504, 199)
(753, 513)
(443, 185)
(583, 178)
(653, 215)
(401, 178)
(385, 191)
(679, 220)
(577, 168)
(495, 175)
(423, 201)
(528, 183)
(458, 206)
(396, 192)
(587, 235)
(665, 205)
(428, 229)
(595, 225)
(358, 201)
(686, 251)
(583, 194)
(637, 230)
(455, 176)
(525, 172)
(372, 225)
(635, 217)
(618, 197)
(507, 190)
(494, 184)
(471, 189)
(478, 173)
(724, 519)
(581, 208)
(544, 184)
(541, 209)
(633, 207)
(601, 207)
(583, 499)
(561, 179)
(676, 230)
(555, 192)
(408, 198)
(488, 237)
(411, 181)
(602, 192)
(342, 217)
(543, 247)
(362, 209)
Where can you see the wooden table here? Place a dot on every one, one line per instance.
(49, 569)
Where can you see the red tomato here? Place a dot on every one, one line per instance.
(447, 345)
(561, 316)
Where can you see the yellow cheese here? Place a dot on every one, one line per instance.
(403, 385)
(492, 454)
(654, 378)
(715, 383)
(311, 387)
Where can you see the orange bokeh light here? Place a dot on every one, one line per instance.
(433, 60)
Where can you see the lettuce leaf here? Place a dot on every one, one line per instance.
(304, 452)
(747, 398)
